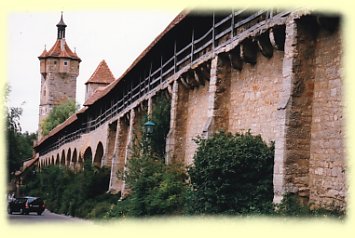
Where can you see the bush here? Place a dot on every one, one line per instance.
(156, 188)
(81, 194)
(291, 206)
(232, 174)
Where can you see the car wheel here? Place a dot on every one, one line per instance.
(39, 213)
(9, 211)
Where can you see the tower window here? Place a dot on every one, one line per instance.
(65, 62)
(55, 62)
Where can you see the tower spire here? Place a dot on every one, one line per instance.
(61, 27)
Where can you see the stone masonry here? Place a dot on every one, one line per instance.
(281, 79)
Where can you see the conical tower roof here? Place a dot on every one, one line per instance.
(102, 74)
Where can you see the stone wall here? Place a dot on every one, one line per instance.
(179, 100)
(111, 143)
(196, 105)
(219, 95)
(298, 130)
(120, 151)
(327, 161)
(254, 96)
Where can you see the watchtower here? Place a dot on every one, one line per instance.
(59, 69)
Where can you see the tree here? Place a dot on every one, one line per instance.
(19, 145)
(58, 115)
(232, 174)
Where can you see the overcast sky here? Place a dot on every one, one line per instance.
(117, 36)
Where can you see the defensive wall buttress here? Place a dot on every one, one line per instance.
(275, 73)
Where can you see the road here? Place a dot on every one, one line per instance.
(46, 216)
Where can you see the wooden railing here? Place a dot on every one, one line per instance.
(211, 40)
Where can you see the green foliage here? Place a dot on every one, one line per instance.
(19, 144)
(232, 174)
(156, 188)
(290, 206)
(58, 115)
(161, 117)
(81, 194)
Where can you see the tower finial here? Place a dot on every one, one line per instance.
(61, 27)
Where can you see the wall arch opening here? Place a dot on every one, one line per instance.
(98, 155)
(62, 159)
(87, 158)
(68, 158)
(74, 160)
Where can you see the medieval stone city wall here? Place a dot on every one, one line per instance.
(291, 96)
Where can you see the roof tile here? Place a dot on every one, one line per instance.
(60, 49)
(102, 74)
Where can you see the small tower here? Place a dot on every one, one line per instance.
(99, 79)
(59, 69)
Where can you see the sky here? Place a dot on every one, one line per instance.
(115, 36)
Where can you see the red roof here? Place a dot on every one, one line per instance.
(59, 127)
(26, 164)
(44, 53)
(60, 49)
(102, 74)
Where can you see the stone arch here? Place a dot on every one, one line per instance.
(54, 160)
(58, 159)
(87, 158)
(68, 158)
(62, 159)
(98, 155)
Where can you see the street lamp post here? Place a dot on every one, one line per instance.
(149, 129)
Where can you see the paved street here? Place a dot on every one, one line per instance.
(46, 216)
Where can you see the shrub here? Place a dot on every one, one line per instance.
(81, 194)
(232, 174)
(291, 206)
(156, 188)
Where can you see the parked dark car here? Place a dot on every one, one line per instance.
(25, 205)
